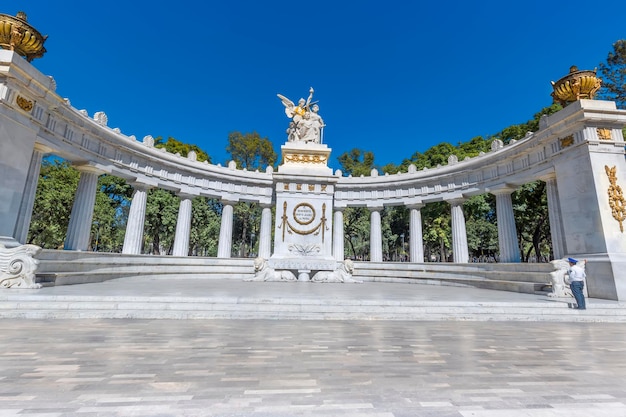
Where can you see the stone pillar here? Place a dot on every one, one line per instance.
(338, 250)
(507, 232)
(79, 228)
(416, 240)
(265, 238)
(28, 197)
(460, 251)
(183, 227)
(133, 238)
(554, 214)
(376, 240)
(225, 244)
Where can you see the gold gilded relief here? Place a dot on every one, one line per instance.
(567, 141)
(304, 214)
(604, 134)
(311, 187)
(25, 104)
(616, 197)
(305, 159)
(299, 187)
(323, 187)
(286, 187)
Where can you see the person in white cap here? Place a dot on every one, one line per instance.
(576, 282)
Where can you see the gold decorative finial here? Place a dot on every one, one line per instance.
(17, 35)
(575, 86)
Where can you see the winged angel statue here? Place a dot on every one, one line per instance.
(306, 124)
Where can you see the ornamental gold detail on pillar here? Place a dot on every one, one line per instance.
(604, 134)
(18, 36)
(24, 103)
(575, 86)
(305, 159)
(616, 197)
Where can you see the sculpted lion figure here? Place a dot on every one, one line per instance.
(342, 274)
(263, 272)
(560, 286)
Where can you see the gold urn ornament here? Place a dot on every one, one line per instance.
(18, 36)
(575, 86)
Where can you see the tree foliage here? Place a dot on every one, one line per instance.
(250, 150)
(175, 146)
(357, 162)
(58, 182)
(613, 74)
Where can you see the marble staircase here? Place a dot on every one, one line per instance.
(72, 267)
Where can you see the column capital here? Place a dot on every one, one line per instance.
(457, 201)
(89, 168)
(228, 202)
(375, 208)
(186, 196)
(415, 206)
(548, 176)
(501, 189)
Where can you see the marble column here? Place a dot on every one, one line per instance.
(507, 232)
(225, 243)
(25, 213)
(376, 239)
(338, 250)
(416, 240)
(265, 238)
(133, 238)
(79, 228)
(554, 215)
(460, 251)
(183, 227)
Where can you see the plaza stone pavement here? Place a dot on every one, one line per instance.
(280, 368)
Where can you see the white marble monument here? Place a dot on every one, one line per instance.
(304, 195)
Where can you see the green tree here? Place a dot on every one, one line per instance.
(530, 204)
(160, 224)
(175, 146)
(110, 214)
(356, 224)
(357, 162)
(613, 74)
(438, 234)
(480, 224)
(250, 150)
(56, 188)
(205, 227)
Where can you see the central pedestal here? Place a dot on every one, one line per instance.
(304, 208)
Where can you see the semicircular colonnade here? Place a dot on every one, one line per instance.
(571, 152)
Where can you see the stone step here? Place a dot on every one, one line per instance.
(70, 267)
(176, 307)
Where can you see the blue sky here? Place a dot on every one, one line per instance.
(392, 77)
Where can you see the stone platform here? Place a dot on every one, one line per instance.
(306, 350)
(148, 297)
